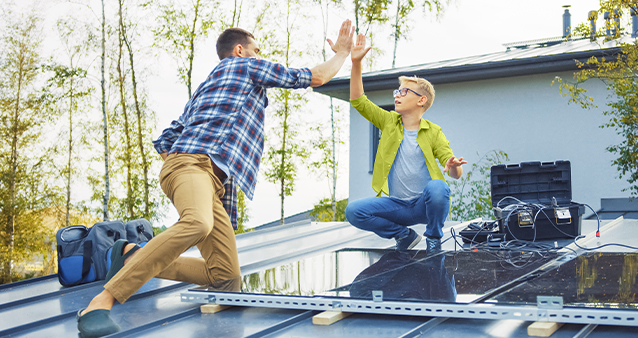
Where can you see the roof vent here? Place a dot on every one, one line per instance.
(612, 28)
(634, 22)
(567, 22)
(592, 16)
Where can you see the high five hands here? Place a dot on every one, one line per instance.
(359, 50)
(344, 40)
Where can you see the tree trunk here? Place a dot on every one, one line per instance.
(191, 55)
(127, 157)
(332, 128)
(105, 206)
(237, 14)
(285, 125)
(14, 172)
(139, 128)
(396, 34)
(356, 16)
(334, 163)
(70, 169)
(283, 158)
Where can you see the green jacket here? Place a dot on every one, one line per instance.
(430, 138)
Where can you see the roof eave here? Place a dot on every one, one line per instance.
(339, 87)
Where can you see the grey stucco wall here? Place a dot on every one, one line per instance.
(523, 116)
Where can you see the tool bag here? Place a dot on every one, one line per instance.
(82, 251)
(139, 231)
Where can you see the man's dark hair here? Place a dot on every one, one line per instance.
(230, 38)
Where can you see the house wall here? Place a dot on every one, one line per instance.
(523, 116)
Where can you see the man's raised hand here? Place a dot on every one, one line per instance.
(344, 40)
(359, 50)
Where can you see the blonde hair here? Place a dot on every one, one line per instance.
(425, 87)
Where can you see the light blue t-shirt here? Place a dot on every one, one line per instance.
(409, 174)
(221, 164)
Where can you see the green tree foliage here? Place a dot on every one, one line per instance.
(323, 161)
(133, 166)
(24, 165)
(323, 211)
(369, 12)
(232, 20)
(619, 74)
(151, 198)
(328, 148)
(70, 92)
(126, 154)
(471, 194)
(180, 27)
(404, 8)
(286, 148)
(107, 181)
(242, 213)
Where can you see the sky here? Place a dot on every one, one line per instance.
(474, 27)
(466, 28)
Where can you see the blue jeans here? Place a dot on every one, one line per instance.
(390, 217)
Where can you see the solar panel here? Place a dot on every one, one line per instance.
(458, 277)
(592, 280)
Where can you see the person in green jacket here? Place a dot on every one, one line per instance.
(405, 167)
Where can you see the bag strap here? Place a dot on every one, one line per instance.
(115, 234)
(86, 262)
(140, 231)
(86, 258)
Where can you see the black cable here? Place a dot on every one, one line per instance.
(602, 246)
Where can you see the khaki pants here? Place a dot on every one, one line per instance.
(189, 182)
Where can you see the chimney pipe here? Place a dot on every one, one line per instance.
(567, 22)
(634, 22)
(592, 16)
(617, 14)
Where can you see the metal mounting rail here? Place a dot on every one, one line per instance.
(585, 316)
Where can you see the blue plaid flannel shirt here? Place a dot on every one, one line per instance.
(225, 117)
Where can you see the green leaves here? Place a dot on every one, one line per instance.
(471, 194)
(620, 75)
(285, 148)
(322, 212)
(181, 27)
(25, 191)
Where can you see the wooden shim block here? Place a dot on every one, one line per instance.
(212, 308)
(542, 329)
(329, 317)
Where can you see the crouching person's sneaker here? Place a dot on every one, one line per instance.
(433, 244)
(408, 242)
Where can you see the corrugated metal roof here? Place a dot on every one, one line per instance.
(511, 62)
(42, 308)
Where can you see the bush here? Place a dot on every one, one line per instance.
(322, 212)
(472, 193)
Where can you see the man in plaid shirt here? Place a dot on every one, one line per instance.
(217, 141)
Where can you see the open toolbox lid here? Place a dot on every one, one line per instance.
(532, 182)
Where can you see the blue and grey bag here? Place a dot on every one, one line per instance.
(139, 231)
(82, 251)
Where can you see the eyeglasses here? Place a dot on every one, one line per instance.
(403, 92)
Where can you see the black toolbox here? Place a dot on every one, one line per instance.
(533, 200)
(482, 231)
